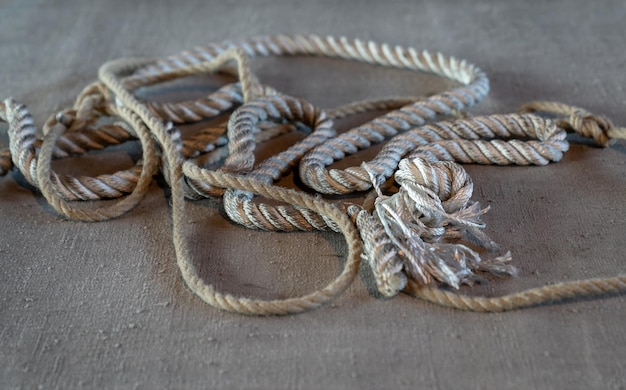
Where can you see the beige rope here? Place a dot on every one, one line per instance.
(47, 187)
(206, 292)
(531, 297)
(186, 63)
(580, 120)
(405, 237)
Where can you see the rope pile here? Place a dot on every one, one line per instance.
(418, 240)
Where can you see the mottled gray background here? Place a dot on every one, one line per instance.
(102, 305)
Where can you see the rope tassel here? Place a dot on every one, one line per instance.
(415, 232)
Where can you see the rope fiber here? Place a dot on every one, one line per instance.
(417, 240)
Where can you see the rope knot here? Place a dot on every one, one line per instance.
(416, 232)
(586, 124)
(591, 126)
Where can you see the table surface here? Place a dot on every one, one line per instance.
(102, 305)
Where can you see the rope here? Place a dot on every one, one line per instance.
(528, 298)
(417, 240)
(171, 147)
(580, 121)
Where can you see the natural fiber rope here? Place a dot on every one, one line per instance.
(580, 120)
(531, 297)
(171, 148)
(433, 195)
(312, 170)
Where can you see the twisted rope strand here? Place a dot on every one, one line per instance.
(239, 206)
(523, 299)
(460, 141)
(102, 213)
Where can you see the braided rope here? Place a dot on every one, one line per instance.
(404, 239)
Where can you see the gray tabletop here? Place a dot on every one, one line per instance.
(102, 305)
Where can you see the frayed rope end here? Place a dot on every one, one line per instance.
(412, 234)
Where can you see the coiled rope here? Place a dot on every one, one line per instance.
(415, 240)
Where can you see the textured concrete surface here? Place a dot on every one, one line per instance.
(102, 305)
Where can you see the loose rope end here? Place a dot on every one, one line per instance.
(415, 233)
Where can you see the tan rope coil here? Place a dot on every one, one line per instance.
(413, 240)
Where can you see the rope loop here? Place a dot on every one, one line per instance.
(591, 126)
